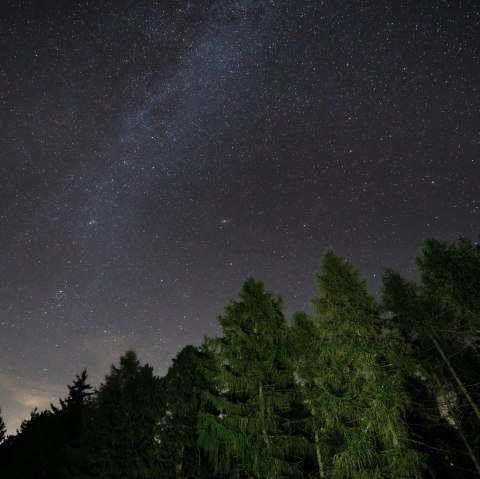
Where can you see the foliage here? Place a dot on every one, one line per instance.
(119, 436)
(354, 390)
(440, 317)
(242, 427)
(352, 383)
(40, 447)
(178, 438)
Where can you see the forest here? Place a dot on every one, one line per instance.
(357, 388)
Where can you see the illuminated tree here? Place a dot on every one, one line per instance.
(242, 424)
(352, 382)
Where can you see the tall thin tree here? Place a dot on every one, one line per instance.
(359, 401)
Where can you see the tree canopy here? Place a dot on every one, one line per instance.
(354, 388)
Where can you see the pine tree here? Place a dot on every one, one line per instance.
(356, 401)
(3, 428)
(72, 407)
(441, 316)
(42, 444)
(305, 343)
(180, 396)
(118, 377)
(242, 427)
(119, 437)
(36, 449)
(72, 415)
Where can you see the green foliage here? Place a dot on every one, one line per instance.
(180, 397)
(440, 316)
(33, 451)
(450, 280)
(350, 381)
(242, 427)
(398, 295)
(338, 394)
(118, 377)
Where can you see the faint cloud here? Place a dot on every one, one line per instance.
(20, 395)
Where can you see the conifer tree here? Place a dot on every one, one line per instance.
(356, 401)
(180, 397)
(305, 344)
(36, 449)
(440, 315)
(72, 407)
(242, 424)
(119, 437)
(118, 377)
(3, 428)
(42, 444)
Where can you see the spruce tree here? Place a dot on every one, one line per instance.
(72, 408)
(440, 315)
(180, 397)
(3, 428)
(242, 427)
(119, 436)
(36, 450)
(357, 401)
(305, 344)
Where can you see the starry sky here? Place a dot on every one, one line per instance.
(153, 154)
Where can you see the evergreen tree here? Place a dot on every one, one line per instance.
(72, 414)
(40, 447)
(120, 434)
(117, 379)
(357, 400)
(3, 428)
(34, 451)
(72, 407)
(305, 343)
(441, 316)
(242, 427)
(180, 395)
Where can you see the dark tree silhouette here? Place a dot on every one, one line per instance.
(181, 396)
(119, 438)
(3, 428)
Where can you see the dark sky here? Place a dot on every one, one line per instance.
(155, 154)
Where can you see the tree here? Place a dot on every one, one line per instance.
(305, 343)
(41, 447)
(181, 398)
(34, 451)
(3, 428)
(119, 437)
(118, 378)
(72, 415)
(440, 315)
(242, 426)
(356, 400)
(72, 407)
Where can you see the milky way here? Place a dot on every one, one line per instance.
(155, 154)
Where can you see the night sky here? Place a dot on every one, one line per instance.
(155, 154)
